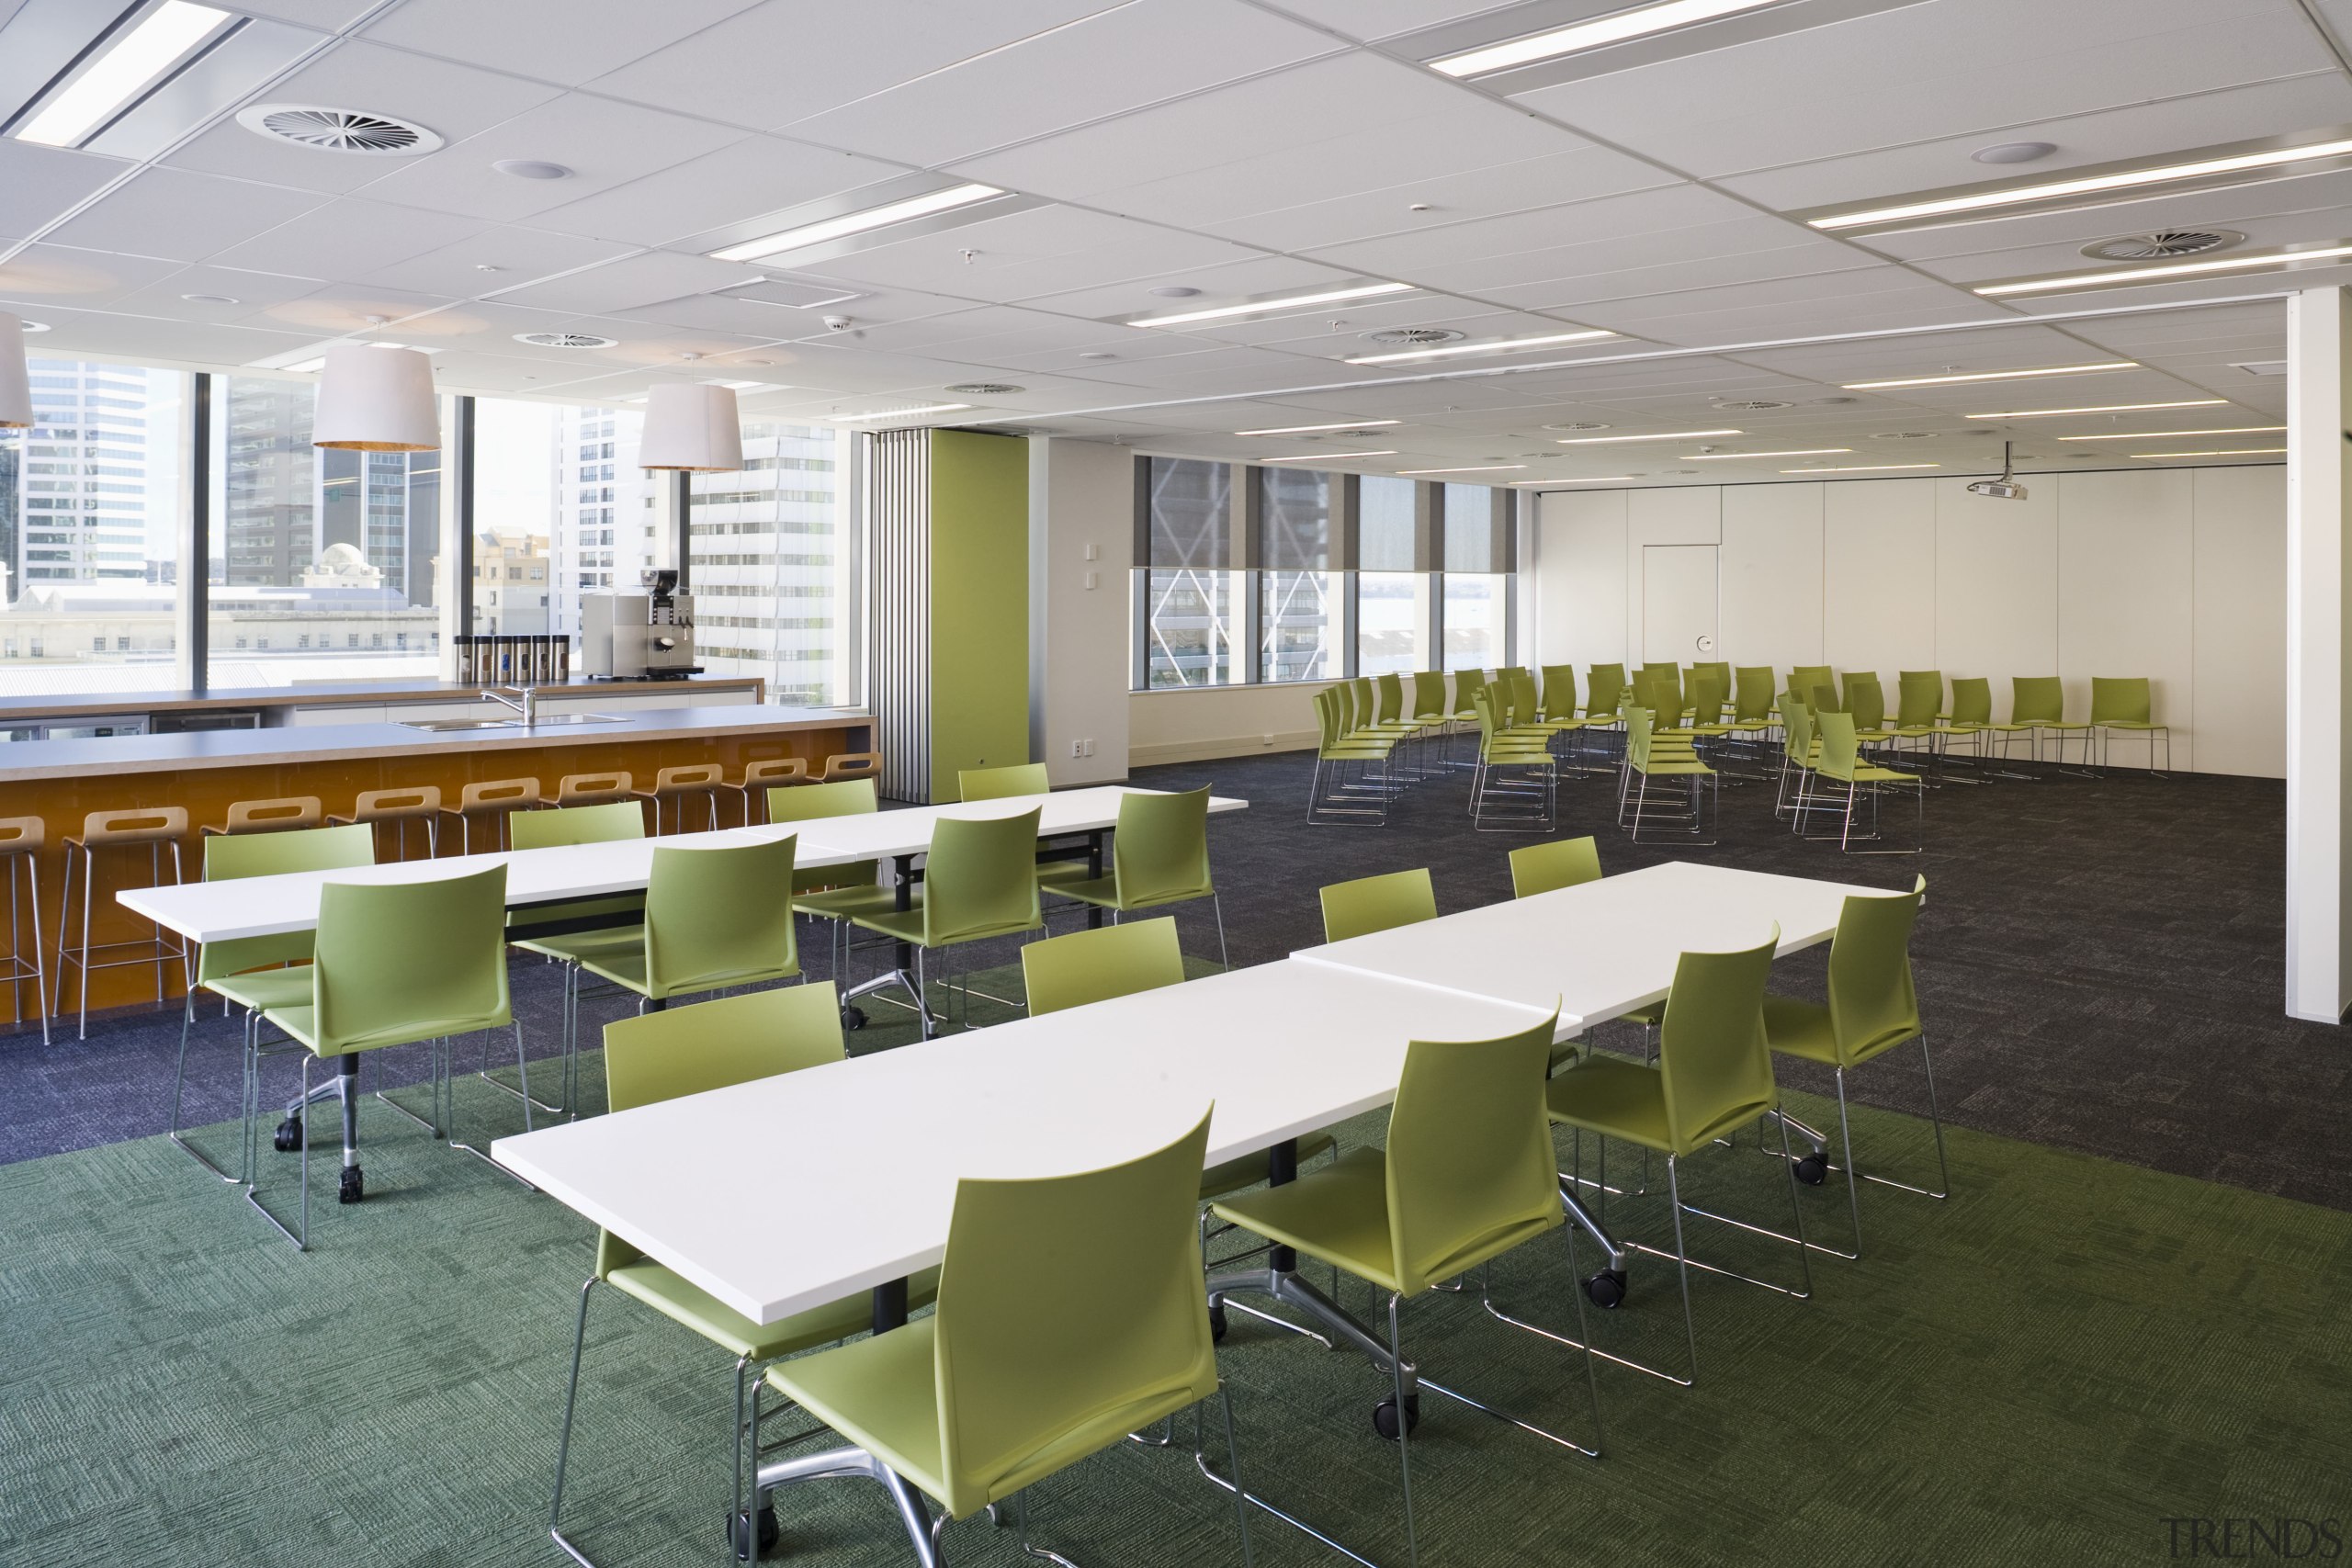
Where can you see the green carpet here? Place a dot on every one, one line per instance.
(2045, 1369)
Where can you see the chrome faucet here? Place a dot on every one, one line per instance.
(527, 707)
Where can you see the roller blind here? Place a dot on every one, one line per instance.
(1384, 527)
(1188, 506)
(1296, 521)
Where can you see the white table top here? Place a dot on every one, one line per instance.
(1603, 949)
(779, 1195)
(907, 831)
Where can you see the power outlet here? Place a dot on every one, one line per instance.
(1077, 748)
(1086, 747)
(1268, 739)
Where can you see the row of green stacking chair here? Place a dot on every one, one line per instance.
(1823, 768)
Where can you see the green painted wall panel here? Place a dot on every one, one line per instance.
(980, 604)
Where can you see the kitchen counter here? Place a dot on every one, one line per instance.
(331, 694)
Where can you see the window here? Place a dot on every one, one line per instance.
(527, 514)
(1299, 597)
(1478, 558)
(311, 547)
(774, 538)
(1392, 598)
(1190, 602)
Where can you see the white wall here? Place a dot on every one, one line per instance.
(1082, 496)
(2179, 575)
(1187, 725)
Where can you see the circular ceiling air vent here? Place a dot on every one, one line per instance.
(564, 340)
(1576, 427)
(1905, 435)
(1750, 405)
(338, 130)
(2164, 244)
(984, 389)
(1413, 337)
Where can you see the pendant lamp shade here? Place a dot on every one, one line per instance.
(695, 428)
(16, 391)
(376, 400)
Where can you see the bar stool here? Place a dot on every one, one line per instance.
(404, 806)
(271, 815)
(21, 844)
(705, 778)
(766, 773)
(852, 765)
(496, 799)
(154, 826)
(593, 789)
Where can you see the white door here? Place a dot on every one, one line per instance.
(1678, 604)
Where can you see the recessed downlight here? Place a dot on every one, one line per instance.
(531, 169)
(210, 299)
(2014, 152)
(1175, 292)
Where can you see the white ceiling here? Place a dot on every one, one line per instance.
(1238, 148)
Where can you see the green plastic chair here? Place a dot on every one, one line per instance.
(1604, 691)
(693, 1049)
(256, 971)
(1667, 677)
(1373, 903)
(1428, 697)
(979, 881)
(1873, 1008)
(1753, 697)
(559, 827)
(1712, 1080)
(1465, 683)
(1547, 868)
(1866, 700)
(1800, 750)
(2038, 707)
(1002, 783)
(1346, 761)
(1805, 678)
(1840, 761)
(1645, 760)
(1370, 717)
(1467, 1175)
(398, 964)
(2128, 704)
(1006, 1384)
(1159, 856)
(834, 894)
(1560, 695)
(1513, 765)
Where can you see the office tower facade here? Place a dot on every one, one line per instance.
(603, 530)
(97, 482)
(267, 530)
(773, 565)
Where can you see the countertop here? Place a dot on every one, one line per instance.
(328, 694)
(25, 760)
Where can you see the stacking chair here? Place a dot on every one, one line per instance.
(257, 972)
(1334, 795)
(691, 1049)
(1840, 763)
(1919, 708)
(1806, 678)
(1704, 702)
(1800, 750)
(2038, 707)
(1971, 718)
(1571, 862)
(979, 881)
(764, 774)
(621, 919)
(2125, 705)
(1160, 856)
(716, 915)
(1428, 699)
(1872, 1009)
(1711, 1081)
(1645, 761)
(834, 894)
(1371, 904)
(1721, 670)
(1604, 688)
(1668, 676)
(1516, 786)
(1467, 1175)
(396, 964)
(1866, 701)
(1004, 1385)
(1002, 783)
(1752, 705)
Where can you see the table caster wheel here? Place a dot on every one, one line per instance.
(1218, 1323)
(352, 1188)
(1606, 1289)
(1384, 1415)
(1813, 1169)
(766, 1534)
(288, 1136)
(853, 1017)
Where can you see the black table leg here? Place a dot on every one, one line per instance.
(889, 1305)
(902, 896)
(1095, 872)
(1282, 1169)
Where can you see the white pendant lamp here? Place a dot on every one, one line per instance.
(692, 428)
(16, 391)
(376, 400)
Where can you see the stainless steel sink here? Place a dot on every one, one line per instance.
(454, 726)
(547, 718)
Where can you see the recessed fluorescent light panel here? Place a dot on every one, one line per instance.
(309, 366)
(2182, 435)
(120, 73)
(2101, 408)
(1864, 468)
(1304, 429)
(2334, 251)
(1994, 376)
(1968, 204)
(1282, 302)
(898, 414)
(1670, 435)
(1744, 456)
(1328, 457)
(1483, 469)
(807, 234)
(1502, 345)
(1599, 479)
(740, 386)
(2224, 452)
(1616, 27)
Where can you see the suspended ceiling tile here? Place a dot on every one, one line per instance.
(568, 41)
(755, 175)
(91, 279)
(38, 184)
(181, 216)
(347, 238)
(645, 279)
(1370, 19)
(494, 259)
(251, 291)
(1232, 283)
(341, 308)
(603, 143)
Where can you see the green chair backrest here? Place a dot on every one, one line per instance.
(1662, 675)
(1824, 699)
(718, 915)
(1638, 728)
(1429, 695)
(1547, 868)
(1918, 697)
(1327, 721)
(1664, 700)
(1752, 693)
(1559, 691)
(1160, 853)
(2036, 699)
(1377, 903)
(400, 962)
(1367, 705)
(1707, 694)
(980, 877)
(2121, 700)
(1391, 690)
(1466, 681)
(1001, 784)
(1085, 966)
(1797, 730)
(1471, 1168)
(559, 826)
(1840, 751)
(1343, 696)
(1711, 1053)
(1866, 700)
(1604, 688)
(1971, 700)
(807, 803)
(1871, 1001)
(228, 856)
(714, 1045)
(1028, 1382)
(1805, 678)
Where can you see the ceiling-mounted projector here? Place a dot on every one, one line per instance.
(2006, 488)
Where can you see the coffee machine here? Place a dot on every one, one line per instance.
(639, 637)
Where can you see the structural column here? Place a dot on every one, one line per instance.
(2319, 487)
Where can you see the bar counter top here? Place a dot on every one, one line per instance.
(30, 760)
(331, 694)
